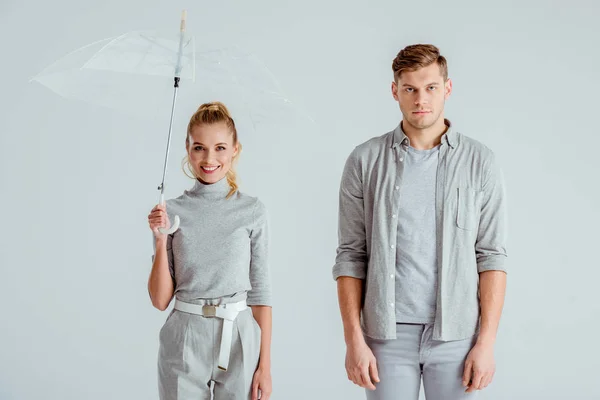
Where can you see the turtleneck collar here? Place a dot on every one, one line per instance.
(216, 190)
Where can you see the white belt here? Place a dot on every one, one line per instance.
(227, 312)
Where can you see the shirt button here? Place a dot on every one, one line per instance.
(391, 275)
(401, 158)
(397, 187)
(392, 305)
(392, 246)
(394, 216)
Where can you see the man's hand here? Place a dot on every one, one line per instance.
(361, 365)
(479, 367)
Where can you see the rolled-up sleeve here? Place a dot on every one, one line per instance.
(260, 277)
(351, 257)
(490, 247)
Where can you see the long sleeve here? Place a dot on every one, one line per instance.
(490, 247)
(260, 278)
(351, 258)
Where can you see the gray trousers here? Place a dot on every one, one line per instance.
(403, 361)
(189, 353)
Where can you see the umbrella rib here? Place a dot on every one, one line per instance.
(156, 43)
(149, 39)
(193, 40)
(103, 47)
(67, 55)
(144, 55)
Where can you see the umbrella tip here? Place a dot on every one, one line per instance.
(183, 18)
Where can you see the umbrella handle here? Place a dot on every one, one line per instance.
(174, 225)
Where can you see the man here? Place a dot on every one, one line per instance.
(422, 231)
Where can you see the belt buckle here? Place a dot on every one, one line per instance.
(209, 311)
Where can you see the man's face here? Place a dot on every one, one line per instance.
(421, 95)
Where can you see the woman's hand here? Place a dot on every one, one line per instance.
(262, 382)
(158, 218)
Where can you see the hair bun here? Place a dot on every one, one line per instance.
(215, 106)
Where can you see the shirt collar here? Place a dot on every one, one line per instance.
(213, 190)
(450, 137)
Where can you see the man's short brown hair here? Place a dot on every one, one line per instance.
(417, 56)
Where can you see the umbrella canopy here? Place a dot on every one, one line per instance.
(133, 74)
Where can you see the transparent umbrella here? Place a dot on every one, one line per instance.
(129, 73)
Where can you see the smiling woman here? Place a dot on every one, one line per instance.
(212, 145)
(215, 265)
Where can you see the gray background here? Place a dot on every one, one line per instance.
(78, 182)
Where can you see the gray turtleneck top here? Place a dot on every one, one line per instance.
(221, 246)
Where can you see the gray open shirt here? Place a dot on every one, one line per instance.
(470, 225)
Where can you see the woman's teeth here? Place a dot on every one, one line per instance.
(209, 169)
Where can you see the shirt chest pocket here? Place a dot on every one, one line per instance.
(467, 208)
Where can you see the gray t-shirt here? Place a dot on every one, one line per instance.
(416, 266)
(221, 246)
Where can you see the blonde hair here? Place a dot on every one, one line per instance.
(213, 113)
(418, 56)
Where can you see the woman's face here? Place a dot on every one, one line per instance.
(211, 151)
